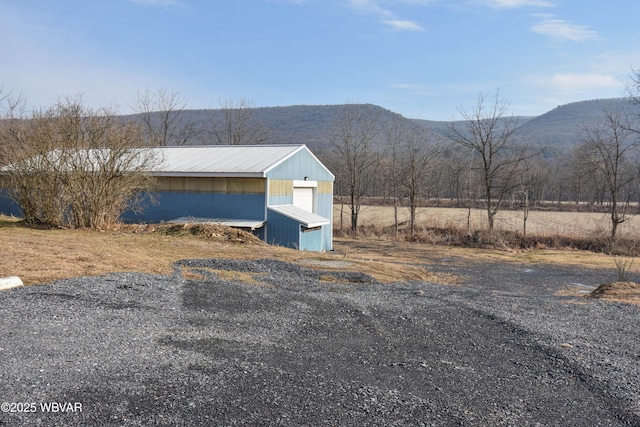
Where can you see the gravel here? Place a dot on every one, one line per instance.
(305, 347)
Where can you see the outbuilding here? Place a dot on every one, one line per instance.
(281, 193)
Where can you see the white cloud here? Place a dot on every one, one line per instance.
(561, 29)
(371, 7)
(516, 4)
(537, 94)
(547, 24)
(579, 82)
(576, 83)
(400, 25)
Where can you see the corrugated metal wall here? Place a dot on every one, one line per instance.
(236, 198)
(311, 240)
(324, 208)
(210, 185)
(245, 198)
(301, 164)
(304, 164)
(8, 206)
(282, 231)
(285, 231)
(175, 204)
(280, 191)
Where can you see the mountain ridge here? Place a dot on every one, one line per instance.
(559, 129)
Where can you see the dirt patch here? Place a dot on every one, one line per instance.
(627, 292)
(207, 231)
(325, 263)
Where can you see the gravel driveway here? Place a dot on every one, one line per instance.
(304, 347)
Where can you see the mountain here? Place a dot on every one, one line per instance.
(563, 127)
(558, 130)
(299, 124)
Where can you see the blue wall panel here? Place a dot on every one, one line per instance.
(174, 204)
(324, 208)
(282, 230)
(280, 200)
(8, 206)
(311, 240)
(285, 231)
(301, 164)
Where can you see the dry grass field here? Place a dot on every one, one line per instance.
(41, 255)
(580, 225)
(44, 255)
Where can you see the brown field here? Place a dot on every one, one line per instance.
(40, 255)
(580, 225)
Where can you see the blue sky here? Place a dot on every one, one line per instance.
(420, 58)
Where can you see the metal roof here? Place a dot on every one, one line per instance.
(306, 218)
(222, 160)
(202, 161)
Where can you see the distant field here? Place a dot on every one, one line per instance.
(569, 224)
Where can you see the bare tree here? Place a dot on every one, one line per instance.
(74, 166)
(417, 160)
(395, 135)
(353, 138)
(237, 125)
(12, 107)
(607, 147)
(633, 88)
(530, 181)
(488, 133)
(164, 118)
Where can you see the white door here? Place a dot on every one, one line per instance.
(303, 198)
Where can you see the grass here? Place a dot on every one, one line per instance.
(577, 225)
(45, 255)
(562, 238)
(627, 292)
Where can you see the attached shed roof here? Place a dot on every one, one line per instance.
(306, 218)
(222, 160)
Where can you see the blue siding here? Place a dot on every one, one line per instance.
(8, 206)
(282, 230)
(301, 164)
(324, 208)
(285, 231)
(280, 200)
(176, 204)
(311, 240)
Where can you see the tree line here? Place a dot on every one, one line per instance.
(75, 166)
(478, 162)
